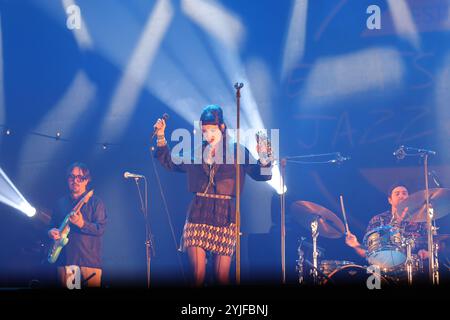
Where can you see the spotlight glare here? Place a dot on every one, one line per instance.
(12, 197)
(27, 209)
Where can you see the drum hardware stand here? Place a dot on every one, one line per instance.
(315, 234)
(436, 260)
(409, 262)
(319, 272)
(300, 261)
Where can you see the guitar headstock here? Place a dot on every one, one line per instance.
(88, 196)
(83, 200)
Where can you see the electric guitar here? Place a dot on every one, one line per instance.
(64, 229)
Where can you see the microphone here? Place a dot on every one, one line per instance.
(164, 117)
(400, 153)
(422, 151)
(128, 175)
(435, 178)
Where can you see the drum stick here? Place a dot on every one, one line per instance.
(343, 213)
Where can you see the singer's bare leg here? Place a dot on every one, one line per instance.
(222, 269)
(197, 257)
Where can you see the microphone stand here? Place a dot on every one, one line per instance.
(283, 220)
(337, 158)
(238, 87)
(432, 252)
(433, 262)
(149, 248)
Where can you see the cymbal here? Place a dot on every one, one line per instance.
(416, 203)
(329, 225)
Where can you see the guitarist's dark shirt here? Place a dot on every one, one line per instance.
(85, 245)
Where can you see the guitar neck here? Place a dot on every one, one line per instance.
(77, 208)
(65, 222)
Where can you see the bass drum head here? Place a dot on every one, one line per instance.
(328, 266)
(351, 275)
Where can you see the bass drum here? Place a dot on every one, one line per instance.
(328, 266)
(352, 275)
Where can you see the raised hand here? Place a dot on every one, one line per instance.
(351, 240)
(160, 126)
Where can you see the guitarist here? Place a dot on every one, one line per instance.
(86, 229)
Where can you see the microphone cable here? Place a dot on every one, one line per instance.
(169, 218)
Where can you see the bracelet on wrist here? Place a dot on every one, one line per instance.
(161, 142)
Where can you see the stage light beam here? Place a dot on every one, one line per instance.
(294, 47)
(12, 197)
(403, 22)
(226, 34)
(63, 117)
(135, 74)
(336, 78)
(81, 34)
(215, 20)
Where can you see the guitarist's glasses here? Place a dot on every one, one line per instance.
(77, 178)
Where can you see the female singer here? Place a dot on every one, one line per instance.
(211, 217)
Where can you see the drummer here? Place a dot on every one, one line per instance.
(397, 193)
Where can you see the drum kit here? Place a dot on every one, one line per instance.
(388, 248)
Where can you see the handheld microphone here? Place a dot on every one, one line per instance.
(128, 175)
(164, 117)
(400, 153)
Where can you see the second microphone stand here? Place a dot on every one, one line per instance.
(433, 260)
(433, 263)
(335, 157)
(149, 248)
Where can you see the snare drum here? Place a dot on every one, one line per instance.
(384, 247)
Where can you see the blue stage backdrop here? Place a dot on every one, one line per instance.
(84, 80)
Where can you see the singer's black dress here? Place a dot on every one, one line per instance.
(211, 216)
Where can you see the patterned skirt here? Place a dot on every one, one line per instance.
(217, 240)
